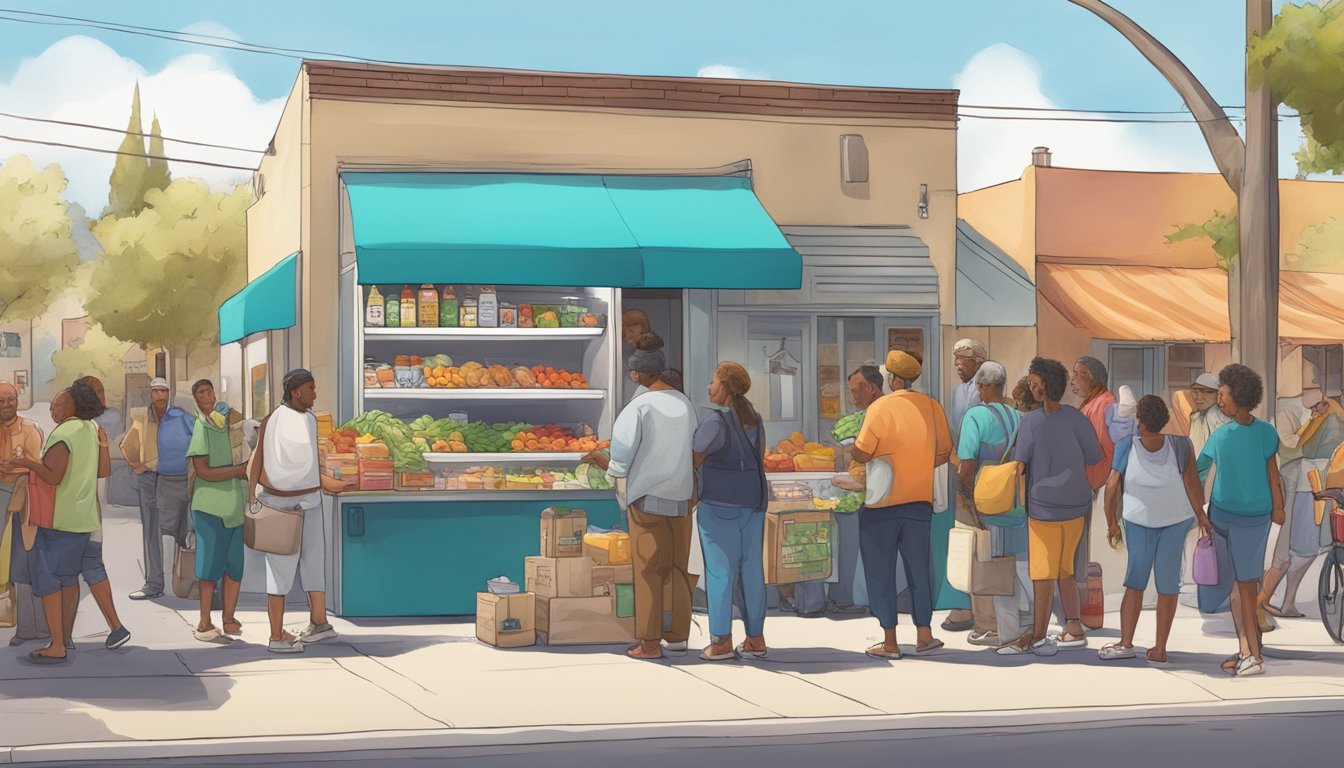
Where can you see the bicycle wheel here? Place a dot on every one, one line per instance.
(1332, 593)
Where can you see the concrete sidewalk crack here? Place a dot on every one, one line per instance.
(801, 679)
(743, 699)
(421, 712)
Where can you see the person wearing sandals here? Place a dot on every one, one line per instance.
(1247, 497)
(1055, 444)
(987, 433)
(216, 514)
(285, 466)
(904, 438)
(1162, 498)
(65, 550)
(729, 449)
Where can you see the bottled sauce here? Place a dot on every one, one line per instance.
(468, 312)
(374, 309)
(392, 311)
(407, 307)
(487, 314)
(448, 308)
(429, 306)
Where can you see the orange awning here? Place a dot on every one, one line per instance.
(1170, 304)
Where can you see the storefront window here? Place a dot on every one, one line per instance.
(258, 396)
(1134, 366)
(1185, 362)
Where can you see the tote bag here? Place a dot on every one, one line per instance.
(41, 502)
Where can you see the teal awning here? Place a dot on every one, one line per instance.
(489, 228)
(566, 229)
(704, 232)
(265, 304)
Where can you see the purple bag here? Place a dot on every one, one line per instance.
(1205, 564)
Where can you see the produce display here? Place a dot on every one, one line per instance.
(797, 454)
(438, 371)
(847, 427)
(407, 443)
(392, 432)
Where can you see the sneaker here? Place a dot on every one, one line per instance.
(118, 638)
(285, 646)
(145, 593)
(990, 639)
(1250, 666)
(1116, 651)
(1045, 647)
(316, 633)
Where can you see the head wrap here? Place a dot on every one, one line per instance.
(970, 348)
(1126, 405)
(293, 380)
(648, 361)
(903, 365)
(1207, 381)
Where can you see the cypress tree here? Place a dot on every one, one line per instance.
(125, 194)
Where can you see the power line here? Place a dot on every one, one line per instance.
(50, 19)
(99, 150)
(108, 129)
(1029, 118)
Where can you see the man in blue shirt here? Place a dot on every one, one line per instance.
(162, 471)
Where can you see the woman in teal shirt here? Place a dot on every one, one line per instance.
(1247, 497)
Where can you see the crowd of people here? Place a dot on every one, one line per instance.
(1122, 456)
(196, 474)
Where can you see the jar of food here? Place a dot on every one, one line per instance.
(448, 308)
(525, 316)
(374, 309)
(408, 317)
(429, 306)
(487, 312)
(392, 313)
(467, 314)
(508, 316)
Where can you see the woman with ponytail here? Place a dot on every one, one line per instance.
(730, 456)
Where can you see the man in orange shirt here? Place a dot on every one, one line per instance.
(19, 437)
(903, 439)
(1088, 382)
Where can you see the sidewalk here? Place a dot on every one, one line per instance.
(398, 683)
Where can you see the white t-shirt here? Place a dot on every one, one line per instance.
(1155, 494)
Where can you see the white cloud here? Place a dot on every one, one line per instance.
(994, 151)
(79, 79)
(730, 72)
(210, 29)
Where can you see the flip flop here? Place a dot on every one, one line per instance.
(743, 650)
(705, 655)
(879, 652)
(1231, 663)
(212, 636)
(1279, 613)
(235, 632)
(36, 657)
(930, 648)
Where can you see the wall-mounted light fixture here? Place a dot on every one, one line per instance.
(923, 201)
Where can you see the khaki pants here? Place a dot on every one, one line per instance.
(982, 608)
(661, 551)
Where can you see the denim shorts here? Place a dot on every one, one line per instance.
(1155, 551)
(61, 557)
(1246, 537)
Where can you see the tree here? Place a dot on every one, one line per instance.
(1321, 248)
(166, 270)
(37, 256)
(125, 194)
(97, 355)
(1250, 168)
(1301, 59)
(1222, 230)
(156, 173)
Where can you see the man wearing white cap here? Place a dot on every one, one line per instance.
(1208, 417)
(155, 447)
(968, 355)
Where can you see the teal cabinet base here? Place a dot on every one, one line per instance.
(430, 558)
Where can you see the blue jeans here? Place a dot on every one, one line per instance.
(61, 557)
(1155, 551)
(731, 539)
(884, 532)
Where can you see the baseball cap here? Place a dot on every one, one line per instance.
(1207, 381)
(159, 384)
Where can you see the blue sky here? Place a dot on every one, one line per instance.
(1016, 52)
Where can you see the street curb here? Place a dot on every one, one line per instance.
(305, 746)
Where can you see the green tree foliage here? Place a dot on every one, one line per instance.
(97, 355)
(1301, 58)
(156, 173)
(37, 256)
(166, 270)
(1221, 230)
(125, 194)
(1320, 250)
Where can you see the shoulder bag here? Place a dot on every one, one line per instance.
(273, 530)
(1001, 489)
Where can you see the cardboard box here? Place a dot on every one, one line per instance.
(797, 544)
(562, 532)
(611, 548)
(606, 577)
(559, 576)
(506, 621)
(375, 475)
(582, 621)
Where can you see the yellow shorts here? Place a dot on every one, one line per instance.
(1051, 548)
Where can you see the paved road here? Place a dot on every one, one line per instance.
(1299, 740)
